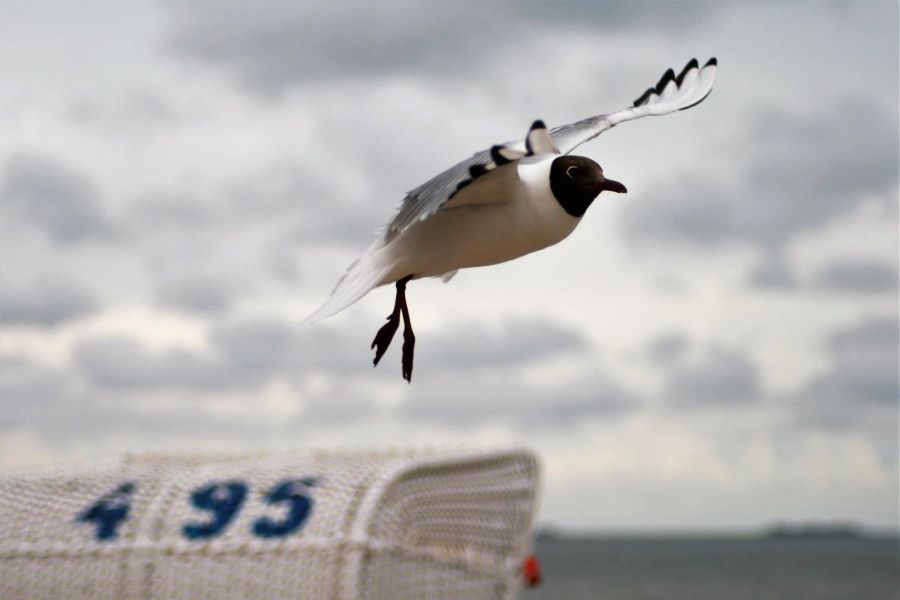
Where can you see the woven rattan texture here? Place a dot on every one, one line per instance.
(309, 525)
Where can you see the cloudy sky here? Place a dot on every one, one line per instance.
(182, 182)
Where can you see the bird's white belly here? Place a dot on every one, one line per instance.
(477, 236)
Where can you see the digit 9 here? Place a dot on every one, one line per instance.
(223, 500)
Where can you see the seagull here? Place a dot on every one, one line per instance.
(502, 203)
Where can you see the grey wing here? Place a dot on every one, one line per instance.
(426, 199)
(429, 197)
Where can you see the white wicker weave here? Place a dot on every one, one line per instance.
(313, 525)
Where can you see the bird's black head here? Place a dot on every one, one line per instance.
(575, 181)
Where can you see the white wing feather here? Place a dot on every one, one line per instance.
(362, 276)
(671, 94)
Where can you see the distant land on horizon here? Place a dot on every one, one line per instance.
(801, 530)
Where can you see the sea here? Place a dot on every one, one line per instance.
(714, 568)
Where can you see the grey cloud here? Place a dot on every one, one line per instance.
(620, 17)
(283, 264)
(459, 401)
(196, 294)
(118, 376)
(846, 275)
(275, 45)
(149, 106)
(721, 377)
(279, 45)
(518, 341)
(278, 197)
(244, 355)
(668, 347)
(311, 207)
(345, 405)
(115, 382)
(45, 302)
(257, 345)
(341, 224)
(138, 108)
(472, 374)
(271, 345)
(774, 272)
(483, 367)
(279, 191)
(48, 401)
(857, 275)
(47, 195)
(803, 172)
(120, 362)
(29, 392)
(872, 333)
(199, 257)
(291, 201)
(152, 213)
(206, 254)
(862, 380)
(53, 404)
(695, 211)
(850, 150)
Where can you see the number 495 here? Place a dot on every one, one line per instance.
(223, 500)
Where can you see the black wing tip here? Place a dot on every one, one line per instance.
(668, 76)
(644, 97)
(657, 89)
(713, 62)
(692, 64)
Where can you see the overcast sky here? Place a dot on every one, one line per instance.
(182, 182)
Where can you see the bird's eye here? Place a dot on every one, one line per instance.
(573, 172)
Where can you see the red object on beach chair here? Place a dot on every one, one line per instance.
(531, 570)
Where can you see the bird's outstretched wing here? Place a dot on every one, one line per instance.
(670, 94)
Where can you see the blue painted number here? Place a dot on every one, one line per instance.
(223, 500)
(109, 511)
(293, 494)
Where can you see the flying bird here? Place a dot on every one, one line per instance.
(499, 204)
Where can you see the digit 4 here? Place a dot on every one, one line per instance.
(109, 511)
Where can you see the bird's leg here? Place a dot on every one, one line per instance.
(386, 333)
(409, 338)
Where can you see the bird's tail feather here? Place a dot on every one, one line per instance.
(362, 276)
